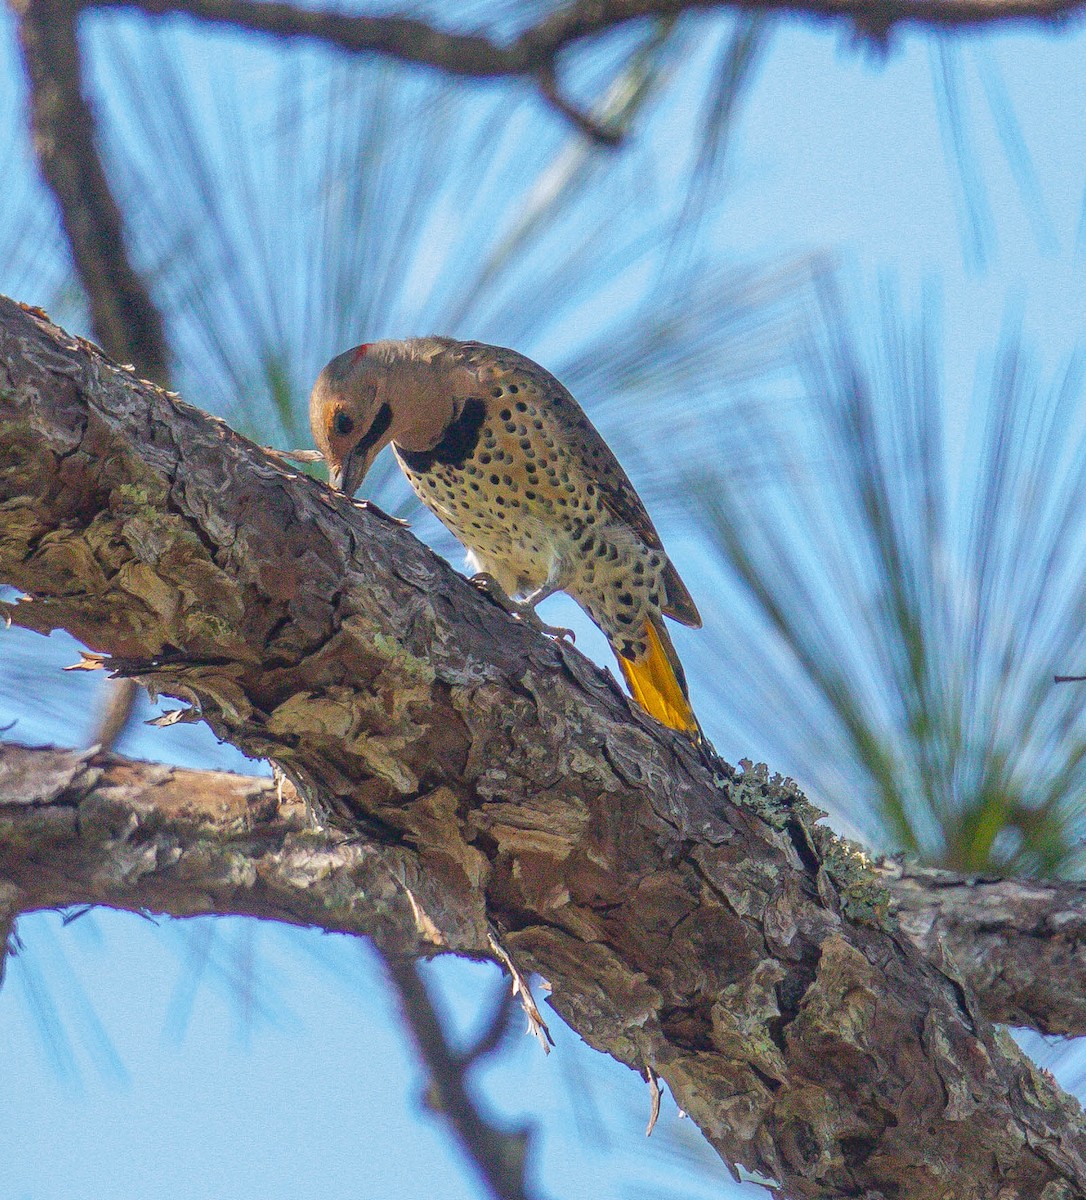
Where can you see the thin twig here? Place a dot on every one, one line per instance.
(548, 86)
(535, 52)
(7, 934)
(653, 1080)
(537, 1027)
(116, 707)
(498, 1155)
(402, 38)
(494, 1032)
(410, 40)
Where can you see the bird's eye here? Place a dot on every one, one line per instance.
(342, 423)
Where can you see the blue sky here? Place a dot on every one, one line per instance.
(151, 1091)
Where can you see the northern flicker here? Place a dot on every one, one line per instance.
(504, 456)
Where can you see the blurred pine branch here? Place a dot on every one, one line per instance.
(909, 588)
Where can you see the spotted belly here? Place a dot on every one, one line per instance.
(532, 519)
(504, 538)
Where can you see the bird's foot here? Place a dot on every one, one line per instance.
(487, 584)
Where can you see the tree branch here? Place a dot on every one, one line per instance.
(7, 924)
(405, 39)
(534, 53)
(1021, 943)
(124, 318)
(123, 315)
(85, 827)
(580, 19)
(499, 1156)
(474, 54)
(689, 920)
(88, 827)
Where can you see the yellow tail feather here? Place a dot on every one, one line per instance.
(657, 682)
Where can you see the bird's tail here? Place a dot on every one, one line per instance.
(657, 681)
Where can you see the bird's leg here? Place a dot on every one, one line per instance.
(523, 610)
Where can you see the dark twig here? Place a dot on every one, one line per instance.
(535, 53)
(116, 708)
(124, 318)
(7, 932)
(474, 54)
(573, 22)
(402, 38)
(494, 1032)
(604, 135)
(123, 315)
(498, 1155)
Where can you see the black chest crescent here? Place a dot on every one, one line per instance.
(457, 443)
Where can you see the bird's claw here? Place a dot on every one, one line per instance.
(558, 632)
(526, 613)
(489, 586)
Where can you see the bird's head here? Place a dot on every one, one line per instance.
(350, 417)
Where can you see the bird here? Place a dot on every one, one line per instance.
(506, 458)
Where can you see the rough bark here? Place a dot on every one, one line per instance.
(1021, 943)
(90, 827)
(85, 827)
(689, 918)
(124, 317)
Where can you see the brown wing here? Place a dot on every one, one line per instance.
(587, 447)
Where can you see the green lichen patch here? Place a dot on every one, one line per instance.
(144, 496)
(862, 895)
(775, 798)
(741, 1016)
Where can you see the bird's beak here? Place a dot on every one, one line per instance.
(348, 476)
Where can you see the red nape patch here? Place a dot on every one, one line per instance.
(361, 352)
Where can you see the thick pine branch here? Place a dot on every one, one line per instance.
(688, 921)
(214, 843)
(1021, 943)
(86, 827)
